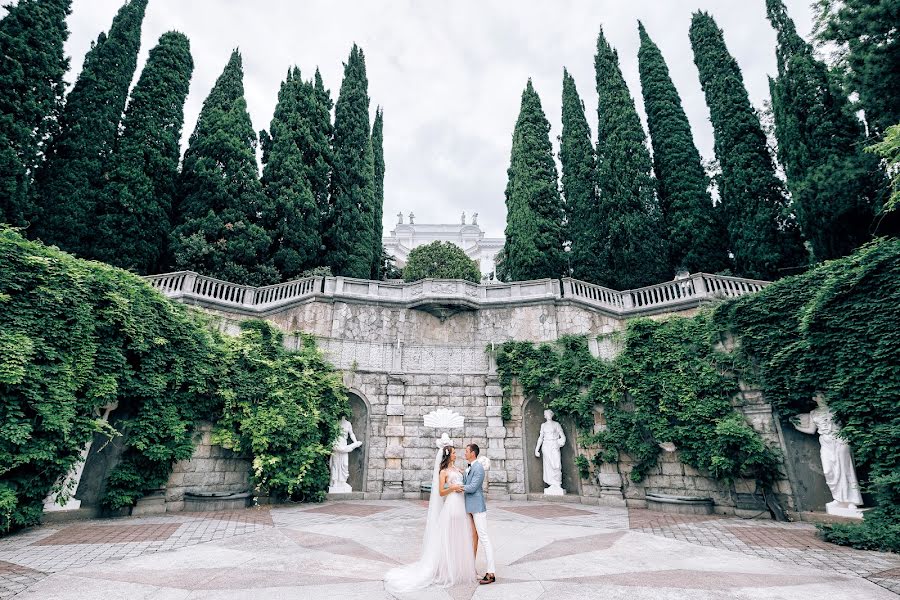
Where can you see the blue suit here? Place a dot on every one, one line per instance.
(472, 485)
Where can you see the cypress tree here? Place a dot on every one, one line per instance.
(868, 47)
(135, 212)
(350, 229)
(320, 158)
(762, 236)
(72, 176)
(534, 221)
(222, 205)
(632, 250)
(295, 220)
(378, 157)
(835, 186)
(32, 66)
(576, 155)
(695, 232)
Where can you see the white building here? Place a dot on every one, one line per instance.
(468, 236)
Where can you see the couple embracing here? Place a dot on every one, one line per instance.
(456, 522)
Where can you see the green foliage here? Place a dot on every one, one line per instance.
(834, 329)
(889, 149)
(864, 35)
(584, 467)
(282, 408)
(534, 222)
(762, 235)
(350, 226)
(76, 336)
(631, 246)
(667, 385)
(378, 206)
(319, 157)
(576, 155)
(71, 177)
(440, 260)
(835, 186)
(32, 65)
(693, 225)
(135, 207)
(294, 221)
(222, 205)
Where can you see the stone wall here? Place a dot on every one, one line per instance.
(405, 362)
(211, 469)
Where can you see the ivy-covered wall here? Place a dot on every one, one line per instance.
(691, 381)
(77, 335)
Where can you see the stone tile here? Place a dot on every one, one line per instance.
(568, 547)
(110, 534)
(348, 510)
(547, 511)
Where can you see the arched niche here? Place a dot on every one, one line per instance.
(358, 460)
(532, 417)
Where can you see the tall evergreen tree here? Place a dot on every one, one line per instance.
(835, 186)
(865, 33)
(135, 208)
(576, 155)
(350, 229)
(32, 66)
(632, 249)
(222, 206)
(695, 232)
(295, 220)
(71, 178)
(534, 221)
(762, 235)
(378, 157)
(320, 158)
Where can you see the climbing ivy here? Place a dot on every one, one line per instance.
(668, 385)
(834, 329)
(77, 335)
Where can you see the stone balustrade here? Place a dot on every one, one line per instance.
(671, 295)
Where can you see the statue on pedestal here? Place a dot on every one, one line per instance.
(339, 463)
(63, 498)
(550, 441)
(837, 463)
(399, 218)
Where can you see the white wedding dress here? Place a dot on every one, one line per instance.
(447, 558)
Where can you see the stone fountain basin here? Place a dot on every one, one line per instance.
(212, 501)
(682, 505)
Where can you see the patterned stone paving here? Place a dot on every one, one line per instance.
(342, 550)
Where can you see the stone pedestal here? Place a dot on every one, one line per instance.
(842, 509)
(554, 490)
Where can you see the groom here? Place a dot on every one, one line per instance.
(477, 510)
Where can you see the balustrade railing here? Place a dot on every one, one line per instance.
(671, 294)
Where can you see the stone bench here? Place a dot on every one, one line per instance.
(216, 501)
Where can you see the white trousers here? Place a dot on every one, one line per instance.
(485, 540)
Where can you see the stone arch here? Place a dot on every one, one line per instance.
(532, 417)
(362, 427)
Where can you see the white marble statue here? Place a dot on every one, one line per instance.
(550, 441)
(837, 464)
(63, 498)
(339, 463)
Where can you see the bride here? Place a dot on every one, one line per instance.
(447, 557)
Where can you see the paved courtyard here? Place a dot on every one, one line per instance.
(342, 550)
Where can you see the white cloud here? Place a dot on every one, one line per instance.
(449, 75)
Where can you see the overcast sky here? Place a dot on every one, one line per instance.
(449, 74)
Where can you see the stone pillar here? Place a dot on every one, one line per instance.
(393, 432)
(496, 436)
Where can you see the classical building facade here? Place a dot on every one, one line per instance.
(468, 236)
